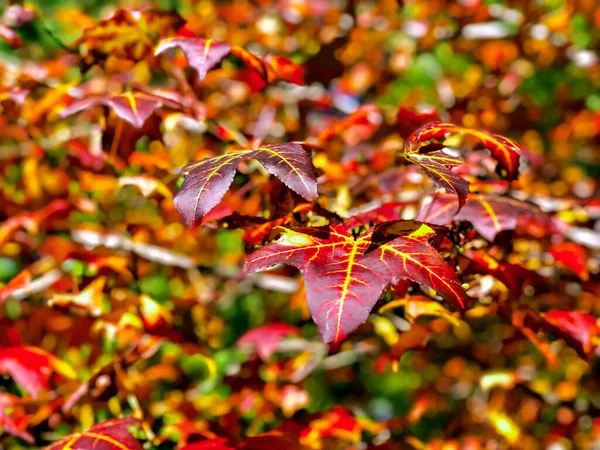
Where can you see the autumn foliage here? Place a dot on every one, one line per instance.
(299, 224)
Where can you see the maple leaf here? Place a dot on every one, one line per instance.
(202, 54)
(133, 107)
(489, 214)
(344, 280)
(208, 180)
(266, 339)
(112, 434)
(128, 34)
(437, 165)
(504, 150)
(32, 367)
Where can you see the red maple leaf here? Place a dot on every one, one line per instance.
(345, 276)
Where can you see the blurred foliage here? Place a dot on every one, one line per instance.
(112, 308)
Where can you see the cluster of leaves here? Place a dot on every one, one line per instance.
(361, 224)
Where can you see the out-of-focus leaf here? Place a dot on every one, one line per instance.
(31, 221)
(343, 281)
(10, 36)
(337, 422)
(112, 434)
(573, 256)
(21, 281)
(504, 379)
(578, 329)
(89, 300)
(417, 306)
(153, 313)
(128, 34)
(489, 214)
(12, 417)
(208, 180)
(202, 54)
(134, 107)
(32, 368)
(256, 64)
(408, 120)
(266, 339)
(286, 70)
(357, 127)
(147, 185)
(515, 277)
(505, 426)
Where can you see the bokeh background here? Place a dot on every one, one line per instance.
(171, 303)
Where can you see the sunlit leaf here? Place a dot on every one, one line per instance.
(344, 281)
(208, 180)
(147, 185)
(417, 306)
(112, 434)
(504, 150)
(505, 426)
(202, 54)
(437, 165)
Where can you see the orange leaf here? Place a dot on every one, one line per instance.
(32, 367)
